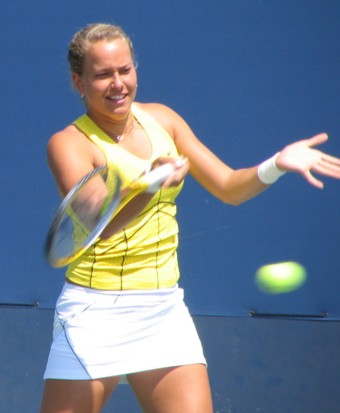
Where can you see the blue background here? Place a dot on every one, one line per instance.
(249, 76)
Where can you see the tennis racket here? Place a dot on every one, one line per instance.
(89, 206)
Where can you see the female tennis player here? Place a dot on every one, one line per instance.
(121, 315)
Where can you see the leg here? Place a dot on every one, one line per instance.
(77, 396)
(173, 390)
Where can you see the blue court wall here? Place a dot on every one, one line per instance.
(249, 76)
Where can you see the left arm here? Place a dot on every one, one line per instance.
(237, 186)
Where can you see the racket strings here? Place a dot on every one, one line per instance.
(90, 206)
(82, 216)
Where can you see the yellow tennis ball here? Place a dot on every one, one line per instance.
(281, 277)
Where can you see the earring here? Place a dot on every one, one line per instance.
(83, 98)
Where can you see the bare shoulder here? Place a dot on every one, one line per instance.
(70, 141)
(63, 144)
(60, 139)
(156, 109)
(67, 136)
(163, 114)
(71, 155)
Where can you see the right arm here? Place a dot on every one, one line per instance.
(71, 156)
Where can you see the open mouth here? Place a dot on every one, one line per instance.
(116, 98)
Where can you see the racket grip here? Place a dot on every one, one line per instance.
(156, 177)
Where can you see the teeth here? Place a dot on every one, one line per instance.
(116, 97)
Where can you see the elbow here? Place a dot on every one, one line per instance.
(236, 203)
(233, 200)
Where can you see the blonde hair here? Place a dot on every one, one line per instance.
(91, 34)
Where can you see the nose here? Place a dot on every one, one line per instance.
(116, 81)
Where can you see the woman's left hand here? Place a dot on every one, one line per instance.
(302, 158)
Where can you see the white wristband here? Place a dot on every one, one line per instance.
(268, 172)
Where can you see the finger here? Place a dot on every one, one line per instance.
(330, 159)
(312, 180)
(161, 161)
(181, 170)
(327, 169)
(182, 162)
(317, 139)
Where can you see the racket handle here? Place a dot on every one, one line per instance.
(156, 177)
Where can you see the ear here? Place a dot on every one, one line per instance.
(77, 83)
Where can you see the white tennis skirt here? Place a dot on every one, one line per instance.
(100, 333)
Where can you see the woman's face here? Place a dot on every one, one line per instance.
(109, 79)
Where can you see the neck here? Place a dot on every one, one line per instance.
(117, 129)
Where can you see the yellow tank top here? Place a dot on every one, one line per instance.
(144, 254)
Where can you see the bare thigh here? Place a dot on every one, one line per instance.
(173, 390)
(77, 396)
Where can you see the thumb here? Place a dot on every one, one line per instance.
(317, 139)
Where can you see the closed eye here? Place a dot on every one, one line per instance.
(125, 70)
(102, 75)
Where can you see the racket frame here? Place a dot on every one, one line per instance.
(150, 182)
(57, 262)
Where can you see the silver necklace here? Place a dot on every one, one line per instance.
(119, 138)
